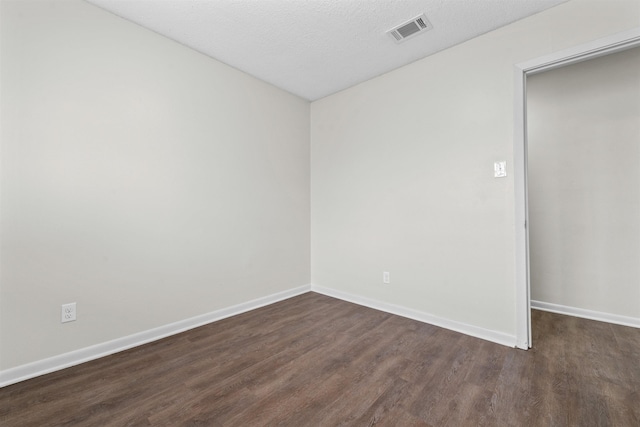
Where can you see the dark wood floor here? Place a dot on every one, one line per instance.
(317, 361)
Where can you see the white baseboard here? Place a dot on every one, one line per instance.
(464, 328)
(76, 357)
(586, 314)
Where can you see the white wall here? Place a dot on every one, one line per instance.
(584, 184)
(140, 179)
(402, 172)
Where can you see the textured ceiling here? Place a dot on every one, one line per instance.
(313, 48)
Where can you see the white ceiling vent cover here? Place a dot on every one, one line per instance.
(418, 25)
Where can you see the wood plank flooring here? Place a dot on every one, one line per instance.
(317, 361)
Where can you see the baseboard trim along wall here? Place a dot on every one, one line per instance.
(586, 314)
(463, 328)
(76, 357)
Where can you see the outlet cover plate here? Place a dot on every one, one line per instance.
(68, 312)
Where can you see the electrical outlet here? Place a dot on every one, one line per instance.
(68, 312)
(385, 277)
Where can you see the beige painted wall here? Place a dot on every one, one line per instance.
(402, 171)
(140, 179)
(584, 184)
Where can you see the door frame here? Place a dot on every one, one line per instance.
(591, 50)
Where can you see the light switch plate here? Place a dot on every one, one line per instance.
(500, 169)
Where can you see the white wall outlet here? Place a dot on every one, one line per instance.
(500, 169)
(68, 312)
(386, 278)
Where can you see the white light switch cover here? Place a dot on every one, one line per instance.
(500, 169)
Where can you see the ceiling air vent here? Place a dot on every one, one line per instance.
(409, 29)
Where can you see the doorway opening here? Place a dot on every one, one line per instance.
(592, 50)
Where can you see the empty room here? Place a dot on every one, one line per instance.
(320, 213)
